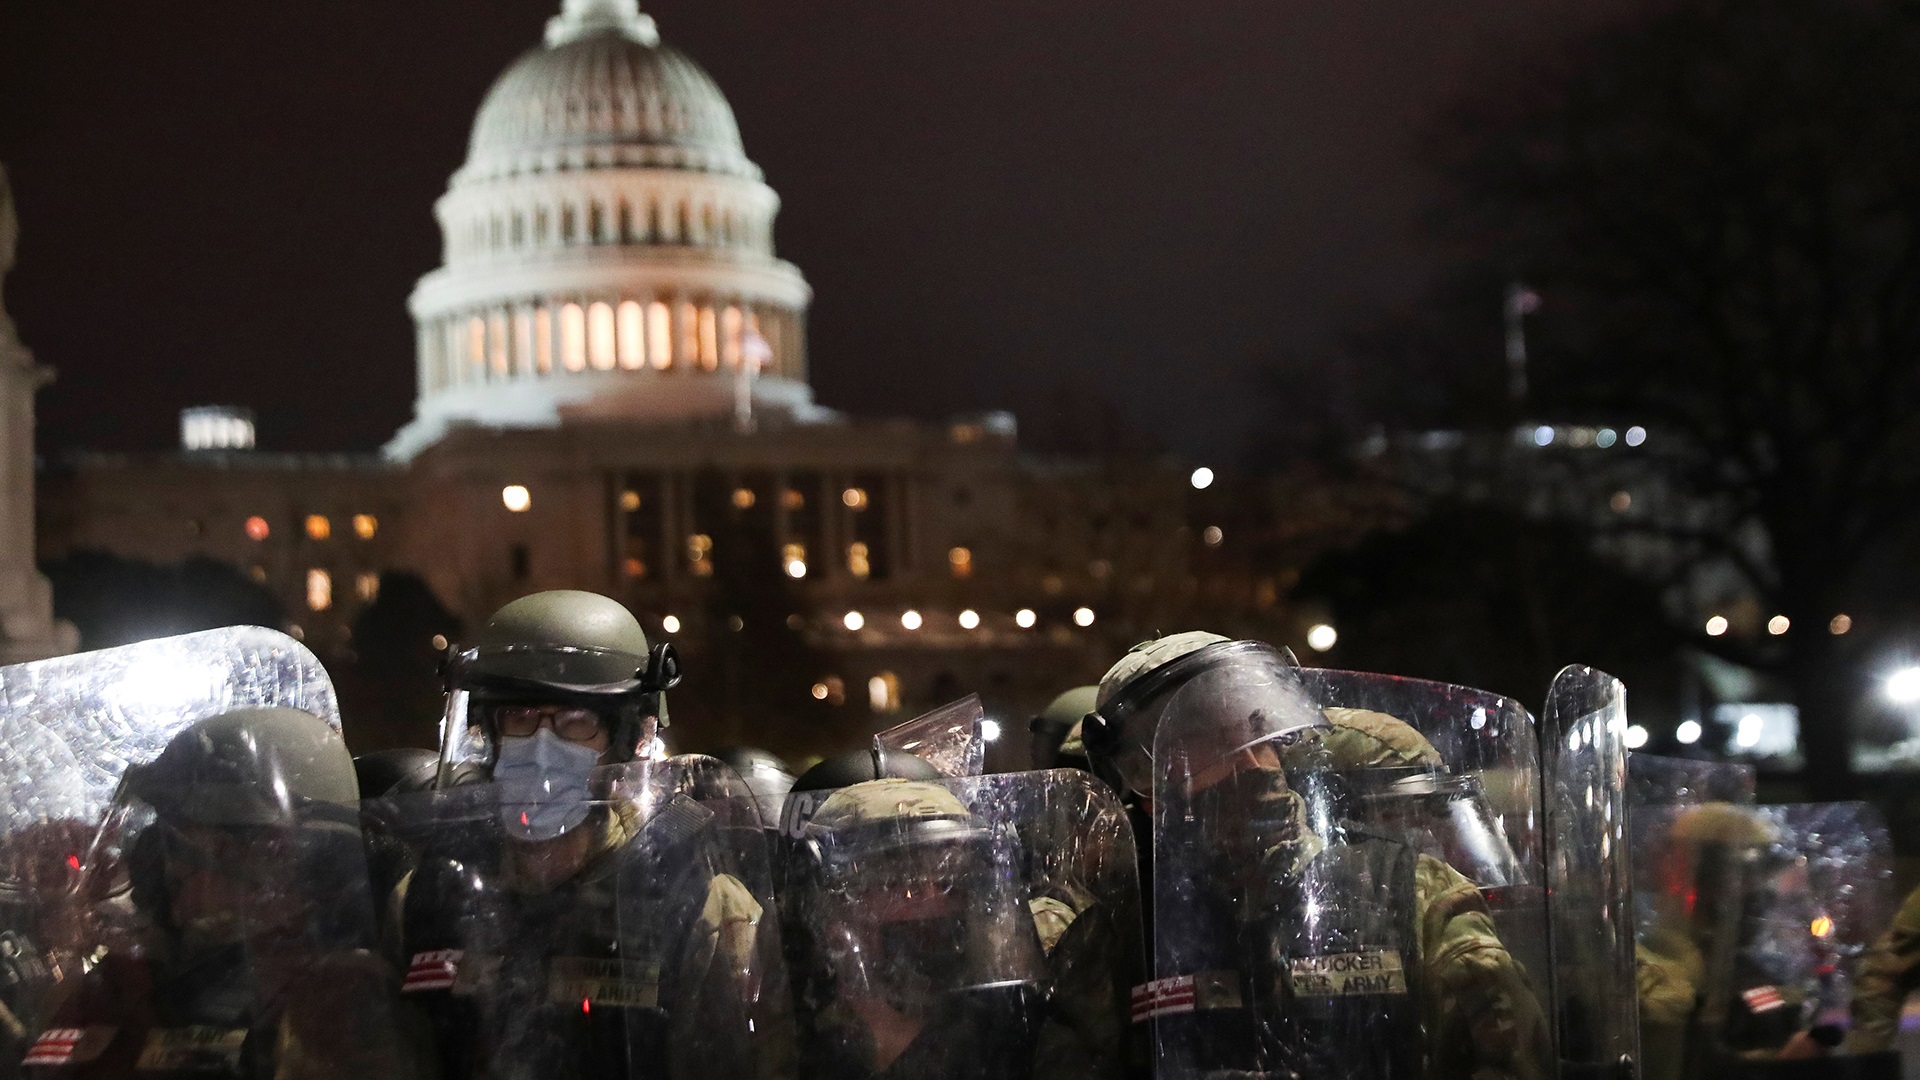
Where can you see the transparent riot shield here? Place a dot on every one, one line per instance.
(949, 737)
(1653, 780)
(223, 918)
(1590, 911)
(119, 707)
(640, 941)
(1780, 985)
(978, 927)
(43, 836)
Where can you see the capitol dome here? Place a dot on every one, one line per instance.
(608, 249)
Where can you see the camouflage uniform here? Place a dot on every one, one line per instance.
(1479, 1013)
(1480, 1009)
(1887, 974)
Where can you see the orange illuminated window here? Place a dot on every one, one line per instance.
(659, 336)
(257, 528)
(573, 338)
(318, 527)
(366, 586)
(960, 561)
(319, 590)
(601, 336)
(632, 335)
(365, 525)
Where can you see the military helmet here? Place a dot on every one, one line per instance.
(397, 771)
(568, 646)
(1119, 733)
(1057, 722)
(878, 817)
(858, 766)
(570, 640)
(252, 766)
(1721, 823)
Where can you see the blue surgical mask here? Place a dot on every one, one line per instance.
(543, 782)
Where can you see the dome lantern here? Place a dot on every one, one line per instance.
(583, 18)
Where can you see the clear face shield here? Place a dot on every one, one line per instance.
(928, 919)
(1446, 817)
(643, 943)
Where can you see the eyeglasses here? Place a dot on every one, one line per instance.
(571, 723)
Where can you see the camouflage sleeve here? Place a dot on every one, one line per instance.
(1667, 974)
(344, 1018)
(1888, 972)
(734, 1020)
(1087, 1034)
(1484, 1016)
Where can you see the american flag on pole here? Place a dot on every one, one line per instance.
(1762, 999)
(755, 351)
(54, 1046)
(433, 970)
(1163, 997)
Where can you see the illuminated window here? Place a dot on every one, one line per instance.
(1212, 536)
(743, 498)
(365, 525)
(516, 497)
(257, 528)
(1840, 624)
(629, 501)
(257, 573)
(319, 590)
(700, 554)
(635, 568)
(543, 340)
(476, 341)
(600, 336)
(633, 346)
(960, 561)
(709, 340)
(854, 498)
(366, 586)
(883, 692)
(832, 690)
(794, 558)
(659, 336)
(857, 560)
(793, 500)
(730, 326)
(573, 338)
(318, 527)
(689, 334)
(497, 340)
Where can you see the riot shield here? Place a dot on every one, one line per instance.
(1590, 911)
(639, 942)
(1811, 903)
(43, 836)
(949, 737)
(977, 927)
(1348, 880)
(119, 707)
(1653, 780)
(225, 925)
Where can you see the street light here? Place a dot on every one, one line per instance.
(1903, 686)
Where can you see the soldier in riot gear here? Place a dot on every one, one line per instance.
(239, 847)
(589, 912)
(765, 774)
(1313, 918)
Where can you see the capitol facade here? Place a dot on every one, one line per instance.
(612, 394)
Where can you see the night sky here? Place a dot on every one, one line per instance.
(996, 202)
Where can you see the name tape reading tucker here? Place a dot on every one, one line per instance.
(1374, 971)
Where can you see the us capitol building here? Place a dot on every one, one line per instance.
(613, 395)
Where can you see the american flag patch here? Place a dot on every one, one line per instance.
(54, 1046)
(434, 970)
(1163, 997)
(1762, 999)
